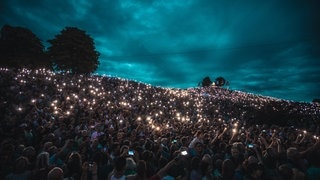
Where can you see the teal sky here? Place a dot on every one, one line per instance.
(269, 47)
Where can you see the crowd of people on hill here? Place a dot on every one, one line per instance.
(71, 126)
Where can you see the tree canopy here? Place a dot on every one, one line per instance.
(20, 47)
(73, 50)
(206, 82)
(220, 81)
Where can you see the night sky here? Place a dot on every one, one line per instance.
(268, 47)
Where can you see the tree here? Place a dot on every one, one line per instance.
(220, 81)
(20, 47)
(206, 82)
(316, 101)
(73, 50)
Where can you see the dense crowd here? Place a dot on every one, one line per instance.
(72, 126)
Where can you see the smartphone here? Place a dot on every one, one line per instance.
(130, 152)
(184, 153)
(250, 145)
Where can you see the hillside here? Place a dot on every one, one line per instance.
(45, 96)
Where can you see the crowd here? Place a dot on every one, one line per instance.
(71, 126)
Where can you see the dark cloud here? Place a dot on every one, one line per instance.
(270, 48)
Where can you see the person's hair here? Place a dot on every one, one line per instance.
(55, 174)
(119, 163)
(292, 152)
(228, 169)
(285, 171)
(30, 152)
(184, 140)
(47, 145)
(148, 145)
(195, 161)
(130, 164)
(218, 164)
(147, 155)
(141, 168)
(42, 160)
(74, 163)
(123, 147)
(21, 164)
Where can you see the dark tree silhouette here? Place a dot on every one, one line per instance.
(206, 82)
(220, 81)
(316, 100)
(19, 47)
(73, 50)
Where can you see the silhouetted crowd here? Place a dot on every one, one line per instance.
(72, 126)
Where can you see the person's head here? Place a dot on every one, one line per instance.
(21, 164)
(254, 169)
(30, 153)
(51, 137)
(292, 153)
(207, 158)
(20, 148)
(42, 160)
(126, 142)
(147, 155)
(141, 168)
(84, 133)
(237, 149)
(74, 162)
(55, 174)
(130, 164)
(184, 141)
(52, 150)
(228, 168)
(124, 149)
(47, 145)
(95, 143)
(285, 171)
(198, 147)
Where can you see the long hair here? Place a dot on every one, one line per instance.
(21, 164)
(42, 160)
(74, 163)
(228, 169)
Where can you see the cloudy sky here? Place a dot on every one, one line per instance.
(268, 47)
